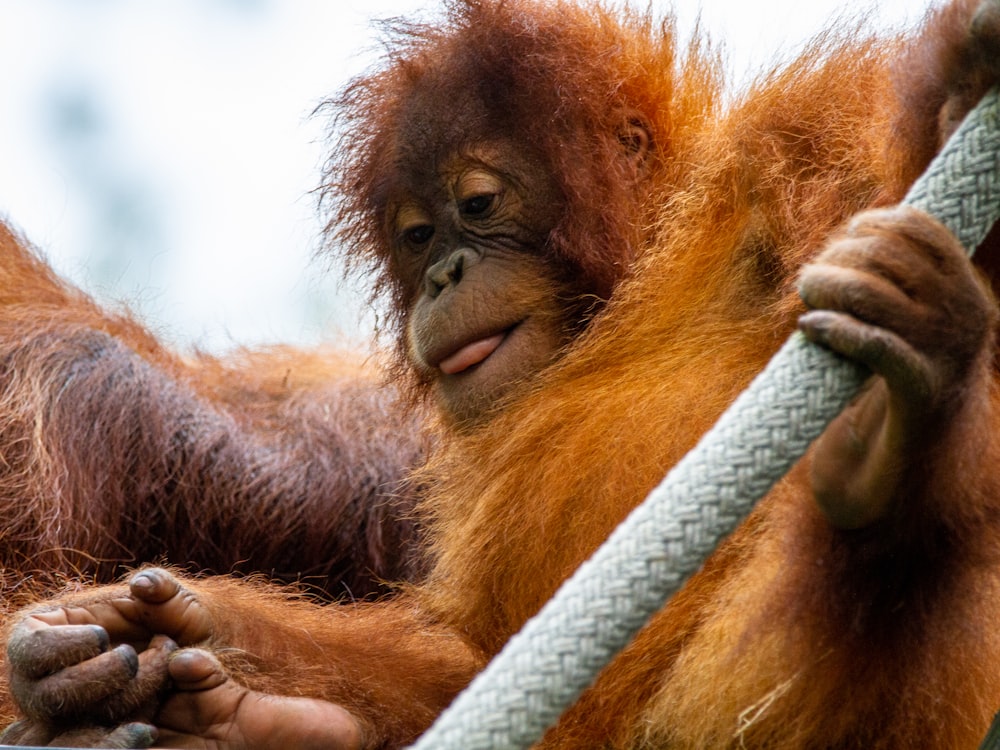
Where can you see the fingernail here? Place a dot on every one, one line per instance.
(103, 640)
(129, 656)
(143, 582)
(138, 734)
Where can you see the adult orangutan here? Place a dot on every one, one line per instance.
(114, 451)
(589, 256)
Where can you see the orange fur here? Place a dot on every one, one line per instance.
(117, 451)
(770, 637)
(794, 634)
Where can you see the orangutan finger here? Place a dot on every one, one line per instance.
(130, 735)
(165, 606)
(907, 371)
(140, 697)
(37, 650)
(26, 732)
(194, 669)
(117, 615)
(77, 689)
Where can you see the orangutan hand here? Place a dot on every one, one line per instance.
(100, 660)
(894, 291)
(210, 711)
(971, 64)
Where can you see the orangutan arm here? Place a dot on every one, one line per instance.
(93, 657)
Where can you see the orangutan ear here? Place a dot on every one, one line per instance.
(636, 139)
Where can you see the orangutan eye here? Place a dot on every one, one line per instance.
(419, 235)
(477, 205)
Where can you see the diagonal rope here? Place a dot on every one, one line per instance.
(992, 739)
(544, 668)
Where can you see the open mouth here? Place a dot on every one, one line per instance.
(473, 353)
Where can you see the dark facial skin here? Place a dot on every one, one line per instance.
(487, 310)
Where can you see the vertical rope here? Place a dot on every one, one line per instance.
(543, 669)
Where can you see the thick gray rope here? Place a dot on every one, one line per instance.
(556, 656)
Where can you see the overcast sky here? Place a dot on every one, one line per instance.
(161, 151)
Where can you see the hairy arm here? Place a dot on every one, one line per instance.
(119, 451)
(97, 657)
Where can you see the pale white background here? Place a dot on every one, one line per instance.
(162, 151)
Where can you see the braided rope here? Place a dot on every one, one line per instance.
(544, 668)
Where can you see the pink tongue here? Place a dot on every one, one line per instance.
(470, 354)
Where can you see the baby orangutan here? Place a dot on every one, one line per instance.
(588, 256)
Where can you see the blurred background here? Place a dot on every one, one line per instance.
(162, 152)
